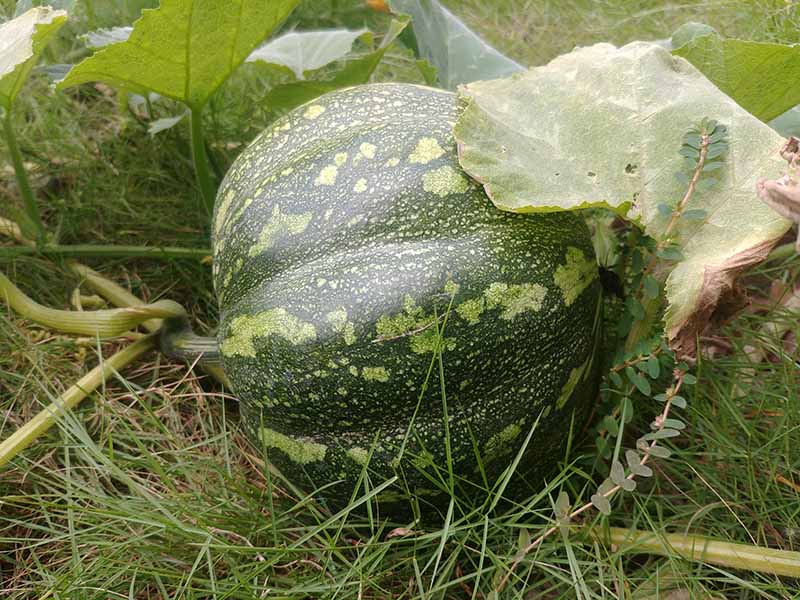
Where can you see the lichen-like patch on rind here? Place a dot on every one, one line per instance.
(280, 224)
(414, 324)
(375, 374)
(443, 181)
(327, 176)
(501, 442)
(273, 322)
(313, 111)
(340, 324)
(426, 150)
(359, 455)
(572, 382)
(301, 451)
(471, 310)
(515, 299)
(575, 275)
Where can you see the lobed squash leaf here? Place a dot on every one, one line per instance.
(185, 49)
(602, 126)
(458, 53)
(22, 40)
(303, 51)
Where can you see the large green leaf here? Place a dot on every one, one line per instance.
(22, 40)
(601, 126)
(458, 53)
(185, 49)
(303, 51)
(355, 72)
(762, 77)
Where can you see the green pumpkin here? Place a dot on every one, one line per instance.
(348, 246)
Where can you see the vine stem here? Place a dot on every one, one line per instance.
(47, 417)
(31, 219)
(642, 327)
(659, 421)
(101, 323)
(202, 168)
(91, 250)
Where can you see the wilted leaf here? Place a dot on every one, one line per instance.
(601, 126)
(760, 76)
(185, 49)
(355, 72)
(305, 51)
(458, 53)
(104, 37)
(22, 40)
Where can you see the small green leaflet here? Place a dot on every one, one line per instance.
(185, 49)
(303, 51)
(601, 126)
(760, 76)
(22, 40)
(457, 52)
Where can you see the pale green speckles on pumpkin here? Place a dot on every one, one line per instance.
(444, 181)
(299, 450)
(359, 455)
(572, 381)
(515, 299)
(313, 111)
(341, 391)
(280, 224)
(502, 442)
(327, 176)
(360, 186)
(375, 374)
(575, 275)
(392, 162)
(353, 371)
(338, 321)
(471, 310)
(223, 210)
(273, 322)
(427, 149)
(340, 158)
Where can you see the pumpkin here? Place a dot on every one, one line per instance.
(380, 317)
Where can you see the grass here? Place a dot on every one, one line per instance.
(150, 489)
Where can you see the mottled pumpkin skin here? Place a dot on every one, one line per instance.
(347, 244)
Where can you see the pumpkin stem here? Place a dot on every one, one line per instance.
(179, 342)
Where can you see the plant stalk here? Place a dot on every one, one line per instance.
(46, 418)
(702, 549)
(202, 168)
(92, 250)
(31, 220)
